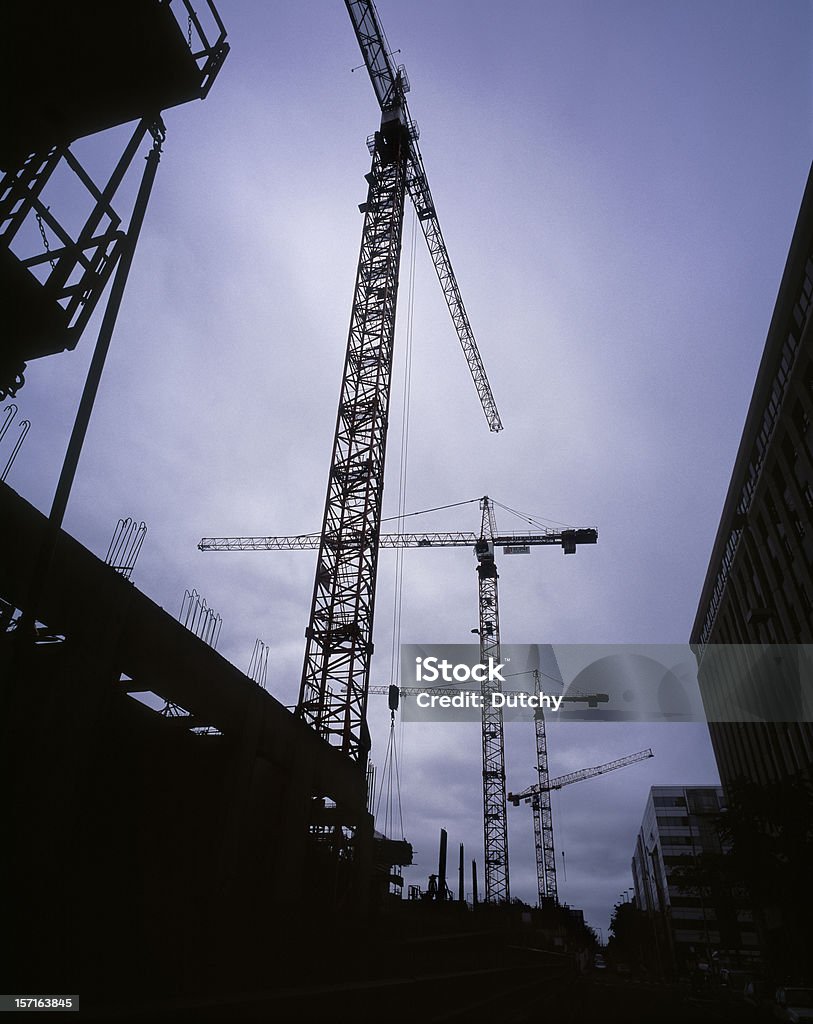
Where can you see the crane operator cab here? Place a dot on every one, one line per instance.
(486, 566)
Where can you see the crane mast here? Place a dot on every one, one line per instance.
(495, 817)
(332, 696)
(541, 801)
(542, 810)
(339, 635)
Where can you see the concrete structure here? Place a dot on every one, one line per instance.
(690, 925)
(147, 847)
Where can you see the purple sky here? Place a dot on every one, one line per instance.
(617, 184)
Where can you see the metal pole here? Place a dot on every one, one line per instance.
(74, 449)
(442, 865)
(91, 388)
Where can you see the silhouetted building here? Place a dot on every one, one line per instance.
(693, 923)
(758, 595)
(759, 584)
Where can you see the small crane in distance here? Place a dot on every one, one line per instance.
(538, 796)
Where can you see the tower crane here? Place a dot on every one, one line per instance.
(538, 796)
(339, 635)
(495, 818)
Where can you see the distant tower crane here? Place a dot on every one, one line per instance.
(495, 824)
(543, 818)
(538, 796)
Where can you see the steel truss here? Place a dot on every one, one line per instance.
(389, 82)
(333, 692)
(538, 795)
(495, 817)
(311, 541)
(543, 817)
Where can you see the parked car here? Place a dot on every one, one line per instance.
(795, 1004)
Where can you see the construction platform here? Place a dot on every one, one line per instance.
(74, 69)
(172, 846)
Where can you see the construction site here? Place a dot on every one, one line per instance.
(214, 807)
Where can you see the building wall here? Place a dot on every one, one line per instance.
(759, 584)
(679, 824)
(147, 853)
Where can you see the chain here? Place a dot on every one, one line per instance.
(51, 260)
(189, 30)
(158, 131)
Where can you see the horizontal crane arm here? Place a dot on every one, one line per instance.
(310, 541)
(579, 776)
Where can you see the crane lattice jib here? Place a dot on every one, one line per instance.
(374, 50)
(385, 78)
(418, 189)
(584, 773)
(309, 541)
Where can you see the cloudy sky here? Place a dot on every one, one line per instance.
(617, 183)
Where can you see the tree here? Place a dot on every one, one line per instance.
(766, 849)
(633, 939)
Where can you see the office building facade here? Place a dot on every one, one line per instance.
(692, 924)
(759, 584)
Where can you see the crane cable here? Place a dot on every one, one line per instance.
(403, 461)
(390, 775)
(391, 781)
(538, 521)
(426, 511)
